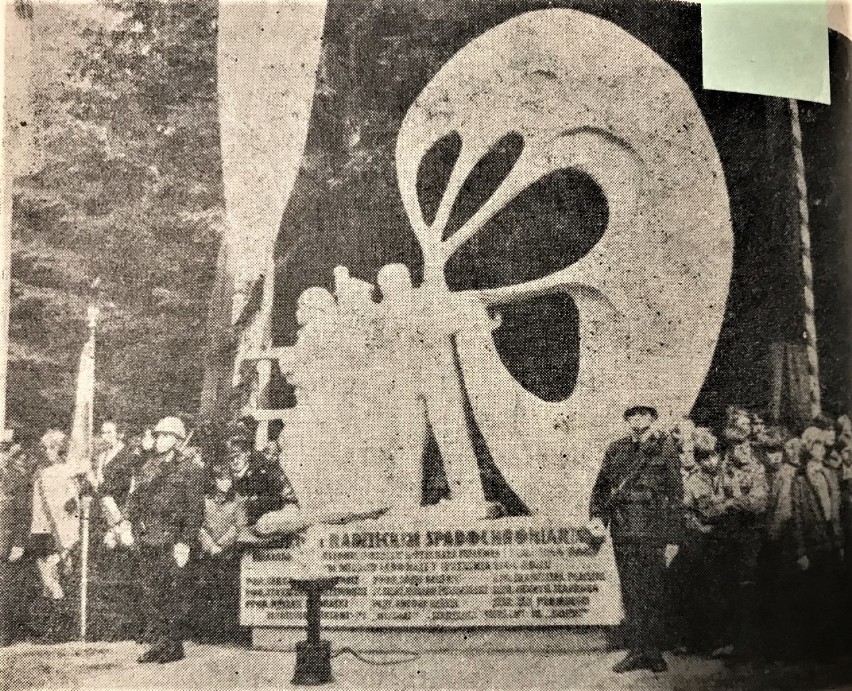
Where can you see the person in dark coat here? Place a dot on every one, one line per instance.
(742, 528)
(259, 481)
(15, 517)
(218, 567)
(809, 554)
(164, 511)
(114, 591)
(639, 496)
(693, 573)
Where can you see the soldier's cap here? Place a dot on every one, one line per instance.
(640, 409)
(240, 439)
(774, 439)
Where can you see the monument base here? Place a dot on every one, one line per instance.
(544, 640)
(523, 583)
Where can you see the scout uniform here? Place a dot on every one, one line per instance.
(746, 492)
(639, 494)
(704, 502)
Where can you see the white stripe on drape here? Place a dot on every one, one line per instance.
(268, 55)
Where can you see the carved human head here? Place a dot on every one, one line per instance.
(314, 303)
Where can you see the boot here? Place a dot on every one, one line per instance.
(172, 653)
(152, 654)
(632, 662)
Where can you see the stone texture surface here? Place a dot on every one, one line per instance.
(585, 96)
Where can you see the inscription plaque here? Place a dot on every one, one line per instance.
(520, 572)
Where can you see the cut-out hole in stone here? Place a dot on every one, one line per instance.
(550, 225)
(539, 343)
(434, 172)
(484, 180)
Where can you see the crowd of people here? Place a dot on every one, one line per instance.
(733, 545)
(215, 491)
(762, 520)
(761, 570)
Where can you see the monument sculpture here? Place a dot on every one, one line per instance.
(372, 368)
(376, 374)
(389, 365)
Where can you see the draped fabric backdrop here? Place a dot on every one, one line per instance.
(338, 201)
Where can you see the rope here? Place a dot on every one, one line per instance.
(409, 657)
(807, 263)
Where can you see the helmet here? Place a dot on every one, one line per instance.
(171, 425)
(640, 409)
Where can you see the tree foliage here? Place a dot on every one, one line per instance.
(131, 191)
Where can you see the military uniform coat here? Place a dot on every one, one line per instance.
(649, 508)
(644, 514)
(166, 505)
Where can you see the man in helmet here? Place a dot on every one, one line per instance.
(164, 511)
(639, 496)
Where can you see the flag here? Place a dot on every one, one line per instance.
(80, 443)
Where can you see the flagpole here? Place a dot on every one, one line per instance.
(86, 500)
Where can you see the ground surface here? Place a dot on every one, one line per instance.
(112, 666)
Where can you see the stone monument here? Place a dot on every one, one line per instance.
(375, 367)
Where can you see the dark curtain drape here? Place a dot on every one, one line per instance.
(345, 206)
(789, 388)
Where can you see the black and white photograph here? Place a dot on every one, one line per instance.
(426, 344)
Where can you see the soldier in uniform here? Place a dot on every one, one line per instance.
(164, 511)
(639, 496)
